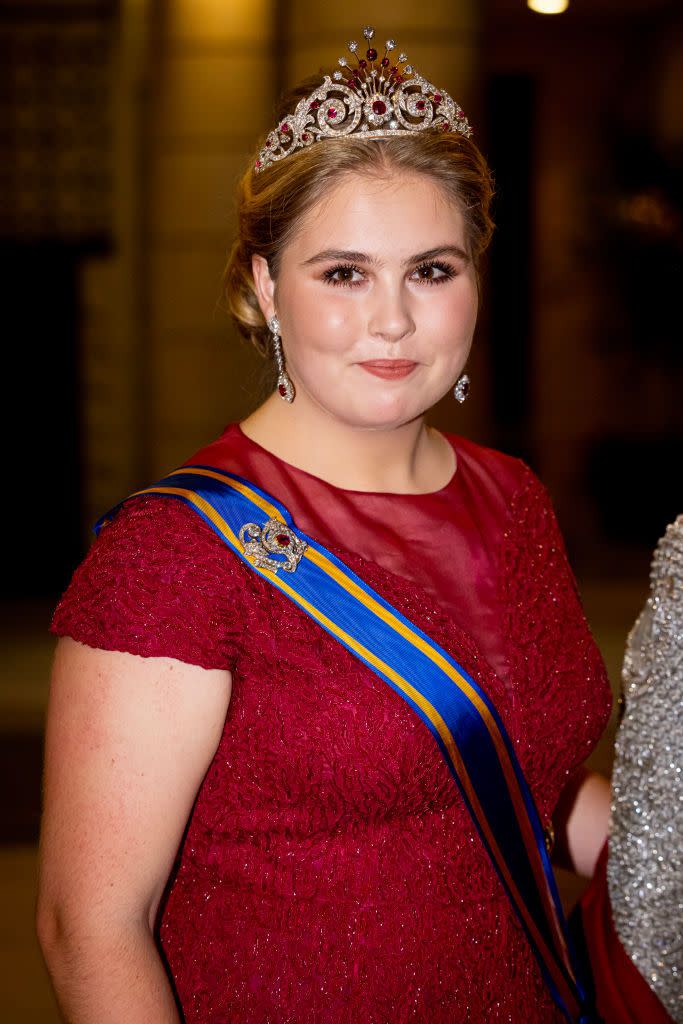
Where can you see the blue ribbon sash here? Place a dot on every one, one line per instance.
(462, 719)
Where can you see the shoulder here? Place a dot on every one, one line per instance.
(505, 477)
(165, 524)
(164, 530)
(153, 542)
(158, 582)
(151, 533)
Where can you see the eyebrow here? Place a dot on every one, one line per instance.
(351, 256)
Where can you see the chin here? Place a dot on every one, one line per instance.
(373, 406)
(386, 415)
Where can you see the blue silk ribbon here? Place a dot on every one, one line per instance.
(462, 719)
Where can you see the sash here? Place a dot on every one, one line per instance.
(461, 717)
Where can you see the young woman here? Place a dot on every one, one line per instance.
(318, 696)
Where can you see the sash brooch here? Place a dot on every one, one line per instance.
(274, 537)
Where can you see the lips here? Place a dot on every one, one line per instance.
(389, 369)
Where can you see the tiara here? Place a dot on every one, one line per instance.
(376, 99)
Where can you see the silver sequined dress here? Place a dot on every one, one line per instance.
(645, 862)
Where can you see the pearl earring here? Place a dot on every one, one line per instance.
(284, 385)
(462, 388)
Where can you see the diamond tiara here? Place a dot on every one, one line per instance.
(375, 99)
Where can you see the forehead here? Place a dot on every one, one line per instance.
(396, 214)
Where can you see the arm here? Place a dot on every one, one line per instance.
(128, 742)
(581, 821)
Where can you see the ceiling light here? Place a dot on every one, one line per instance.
(548, 6)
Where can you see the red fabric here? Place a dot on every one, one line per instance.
(330, 871)
(622, 994)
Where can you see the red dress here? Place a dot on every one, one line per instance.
(330, 872)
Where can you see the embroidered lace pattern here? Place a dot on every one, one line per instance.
(330, 872)
(560, 676)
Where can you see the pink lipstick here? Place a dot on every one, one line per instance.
(389, 369)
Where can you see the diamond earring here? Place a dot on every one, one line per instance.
(462, 388)
(284, 385)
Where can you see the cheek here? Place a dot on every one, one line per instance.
(451, 316)
(319, 320)
(465, 299)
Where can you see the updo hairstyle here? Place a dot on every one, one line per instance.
(271, 204)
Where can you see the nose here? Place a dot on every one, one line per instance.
(390, 315)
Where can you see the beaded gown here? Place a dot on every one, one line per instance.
(330, 872)
(631, 911)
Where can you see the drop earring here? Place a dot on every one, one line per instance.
(462, 388)
(284, 385)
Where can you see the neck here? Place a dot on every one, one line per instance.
(409, 459)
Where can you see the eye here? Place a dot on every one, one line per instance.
(344, 274)
(434, 273)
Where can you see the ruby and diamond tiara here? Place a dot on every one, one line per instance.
(376, 99)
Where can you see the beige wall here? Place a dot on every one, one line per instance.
(212, 96)
(163, 368)
(439, 38)
(111, 337)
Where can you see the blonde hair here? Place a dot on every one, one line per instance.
(271, 204)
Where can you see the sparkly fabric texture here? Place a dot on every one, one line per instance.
(645, 863)
(330, 871)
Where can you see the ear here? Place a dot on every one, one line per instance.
(264, 285)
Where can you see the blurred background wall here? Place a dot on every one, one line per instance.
(124, 125)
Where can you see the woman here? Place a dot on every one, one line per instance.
(243, 821)
(630, 914)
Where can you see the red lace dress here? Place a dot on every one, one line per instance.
(330, 872)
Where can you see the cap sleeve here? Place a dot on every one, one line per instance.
(159, 583)
(559, 677)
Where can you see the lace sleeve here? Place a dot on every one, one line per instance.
(558, 676)
(157, 582)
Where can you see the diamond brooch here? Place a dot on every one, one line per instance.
(274, 537)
